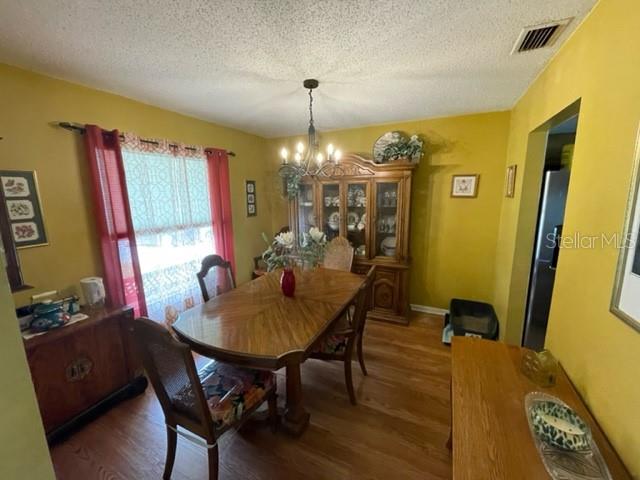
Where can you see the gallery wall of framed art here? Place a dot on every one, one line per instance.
(250, 190)
(24, 211)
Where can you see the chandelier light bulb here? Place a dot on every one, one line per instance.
(298, 157)
(300, 148)
(320, 158)
(284, 153)
(330, 150)
(337, 155)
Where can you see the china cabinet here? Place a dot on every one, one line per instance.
(369, 204)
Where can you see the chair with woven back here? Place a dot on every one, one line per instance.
(215, 277)
(340, 343)
(205, 403)
(338, 254)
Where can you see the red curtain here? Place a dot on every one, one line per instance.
(220, 192)
(122, 277)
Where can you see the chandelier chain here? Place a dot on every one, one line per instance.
(311, 106)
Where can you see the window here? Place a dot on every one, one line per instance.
(171, 214)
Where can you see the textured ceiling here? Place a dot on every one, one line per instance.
(241, 63)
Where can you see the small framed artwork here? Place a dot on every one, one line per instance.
(510, 190)
(625, 302)
(250, 190)
(465, 186)
(22, 199)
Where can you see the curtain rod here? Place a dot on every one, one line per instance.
(78, 128)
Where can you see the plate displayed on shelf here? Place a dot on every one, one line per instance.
(361, 251)
(311, 219)
(381, 144)
(352, 220)
(356, 197)
(334, 221)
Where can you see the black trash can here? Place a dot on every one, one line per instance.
(473, 319)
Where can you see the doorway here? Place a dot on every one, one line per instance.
(558, 156)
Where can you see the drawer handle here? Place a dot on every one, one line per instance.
(78, 369)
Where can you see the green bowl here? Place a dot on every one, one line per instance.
(560, 426)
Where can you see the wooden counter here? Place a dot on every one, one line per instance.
(491, 437)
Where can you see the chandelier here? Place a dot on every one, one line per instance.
(309, 160)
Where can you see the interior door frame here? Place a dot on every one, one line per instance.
(528, 221)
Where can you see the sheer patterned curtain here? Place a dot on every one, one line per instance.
(170, 206)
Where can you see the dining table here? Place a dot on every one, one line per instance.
(256, 326)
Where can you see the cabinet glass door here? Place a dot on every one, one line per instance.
(331, 210)
(306, 211)
(357, 203)
(386, 219)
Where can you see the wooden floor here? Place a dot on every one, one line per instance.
(398, 430)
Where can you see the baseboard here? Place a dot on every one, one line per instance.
(430, 310)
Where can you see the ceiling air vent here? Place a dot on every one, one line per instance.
(539, 36)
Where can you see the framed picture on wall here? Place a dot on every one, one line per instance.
(510, 189)
(464, 186)
(625, 302)
(250, 191)
(22, 201)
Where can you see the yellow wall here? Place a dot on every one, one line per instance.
(23, 451)
(599, 65)
(31, 102)
(453, 240)
(460, 247)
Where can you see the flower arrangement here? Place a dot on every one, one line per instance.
(410, 149)
(313, 246)
(279, 251)
(283, 250)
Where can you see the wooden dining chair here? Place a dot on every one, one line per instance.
(260, 267)
(205, 403)
(338, 254)
(208, 277)
(339, 344)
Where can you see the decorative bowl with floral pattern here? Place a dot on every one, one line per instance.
(558, 425)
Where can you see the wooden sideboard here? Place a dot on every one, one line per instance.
(490, 433)
(370, 205)
(80, 370)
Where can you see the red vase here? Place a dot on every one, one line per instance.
(288, 282)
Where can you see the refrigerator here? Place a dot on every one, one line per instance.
(545, 258)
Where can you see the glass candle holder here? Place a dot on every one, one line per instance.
(541, 368)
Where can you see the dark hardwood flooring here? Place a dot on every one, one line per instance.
(398, 430)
